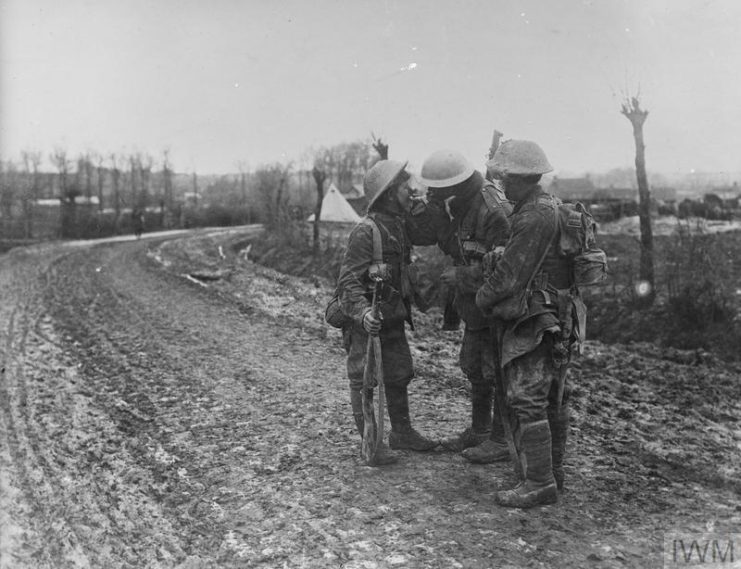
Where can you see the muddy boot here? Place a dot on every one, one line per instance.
(480, 429)
(539, 487)
(493, 449)
(403, 436)
(384, 455)
(559, 423)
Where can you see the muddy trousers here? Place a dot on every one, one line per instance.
(532, 389)
(481, 406)
(477, 359)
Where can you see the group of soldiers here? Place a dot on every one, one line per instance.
(499, 230)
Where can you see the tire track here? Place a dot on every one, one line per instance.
(172, 430)
(50, 426)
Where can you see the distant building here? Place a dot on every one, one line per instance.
(572, 189)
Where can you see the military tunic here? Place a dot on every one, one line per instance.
(478, 222)
(355, 290)
(528, 344)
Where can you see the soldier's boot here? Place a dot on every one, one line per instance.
(384, 455)
(539, 486)
(493, 449)
(480, 429)
(403, 436)
(559, 423)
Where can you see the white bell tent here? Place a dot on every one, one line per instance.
(336, 209)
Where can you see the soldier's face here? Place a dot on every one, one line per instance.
(516, 188)
(440, 194)
(404, 195)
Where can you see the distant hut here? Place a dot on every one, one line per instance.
(573, 189)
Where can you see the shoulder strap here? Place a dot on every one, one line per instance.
(550, 244)
(377, 243)
(494, 197)
(468, 223)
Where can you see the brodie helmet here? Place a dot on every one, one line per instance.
(445, 168)
(519, 158)
(380, 177)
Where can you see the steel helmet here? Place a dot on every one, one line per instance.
(520, 158)
(445, 168)
(379, 178)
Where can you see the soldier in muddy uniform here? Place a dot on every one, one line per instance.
(528, 287)
(466, 216)
(386, 185)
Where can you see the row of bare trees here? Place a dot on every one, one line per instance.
(114, 181)
(122, 181)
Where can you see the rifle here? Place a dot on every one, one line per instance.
(451, 318)
(372, 434)
(495, 140)
(499, 396)
(495, 143)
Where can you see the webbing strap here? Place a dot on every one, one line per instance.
(550, 243)
(377, 243)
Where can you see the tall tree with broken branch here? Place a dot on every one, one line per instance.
(631, 108)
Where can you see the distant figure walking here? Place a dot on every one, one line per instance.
(138, 222)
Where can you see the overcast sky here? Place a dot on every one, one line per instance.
(222, 81)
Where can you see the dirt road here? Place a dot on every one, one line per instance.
(152, 416)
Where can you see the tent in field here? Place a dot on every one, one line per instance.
(335, 208)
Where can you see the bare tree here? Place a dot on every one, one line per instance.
(243, 169)
(319, 177)
(116, 180)
(380, 147)
(270, 185)
(87, 163)
(134, 172)
(631, 108)
(194, 180)
(281, 196)
(167, 182)
(84, 176)
(31, 161)
(7, 198)
(346, 163)
(59, 159)
(100, 168)
(145, 164)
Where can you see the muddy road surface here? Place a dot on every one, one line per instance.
(168, 403)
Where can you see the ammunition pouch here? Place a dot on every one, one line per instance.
(473, 250)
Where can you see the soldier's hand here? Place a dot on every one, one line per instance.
(491, 259)
(371, 324)
(449, 276)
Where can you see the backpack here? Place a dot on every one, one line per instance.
(576, 243)
(333, 314)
